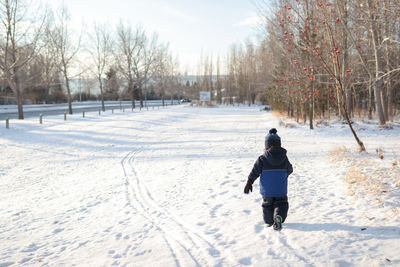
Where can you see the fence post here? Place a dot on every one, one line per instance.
(83, 114)
(123, 109)
(112, 110)
(99, 111)
(65, 116)
(7, 123)
(41, 118)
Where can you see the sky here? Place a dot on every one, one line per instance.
(190, 27)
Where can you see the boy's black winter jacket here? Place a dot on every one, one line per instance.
(274, 158)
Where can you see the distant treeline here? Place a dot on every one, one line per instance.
(323, 57)
(41, 56)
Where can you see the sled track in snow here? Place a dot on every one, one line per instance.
(185, 244)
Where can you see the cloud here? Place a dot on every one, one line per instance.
(249, 21)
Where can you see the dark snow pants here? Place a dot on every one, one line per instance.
(273, 206)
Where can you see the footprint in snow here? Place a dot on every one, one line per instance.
(224, 183)
(259, 227)
(223, 193)
(31, 248)
(245, 261)
(25, 260)
(212, 231)
(248, 212)
(213, 252)
(5, 264)
(214, 210)
(56, 231)
(118, 236)
(227, 213)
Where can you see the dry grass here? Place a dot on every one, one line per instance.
(202, 104)
(322, 122)
(284, 120)
(339, 154)
(364, 182)
(287, 124)
(278, 113)
(372, 175)
(387, 126)
(209, 104)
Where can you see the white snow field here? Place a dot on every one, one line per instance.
(165, 188)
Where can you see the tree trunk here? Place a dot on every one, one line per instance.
(19, 99)
(18, 93)
(311, 106)
(388, 92)
(101, 94)
(297, 110)
(141, 96)
(359, 142)
(378, 101)
(131, 89)
(346, 116)
(69, 95)
(370, 100)
(311, 99)
(390, 101)
(345, 59)
(378, 83)
(384, 98)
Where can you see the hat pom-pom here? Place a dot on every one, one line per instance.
(273, 131)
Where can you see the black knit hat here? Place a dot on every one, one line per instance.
(272, 139)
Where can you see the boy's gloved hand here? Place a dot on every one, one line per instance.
(248, 187)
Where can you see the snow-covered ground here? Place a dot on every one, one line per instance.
(165, 188)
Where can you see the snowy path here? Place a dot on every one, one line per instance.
(165, 188)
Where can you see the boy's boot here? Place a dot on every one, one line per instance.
(278, 223)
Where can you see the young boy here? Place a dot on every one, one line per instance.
(274, 168)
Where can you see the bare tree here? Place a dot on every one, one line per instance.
(138, 58)
(112, 84)
(218, 82)
(162, 70)
(378, 53)
(66, 48)
(101, 54)
(310, 35)
(147, 69)
(129, 47)
(48, 61)
(20, 33)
